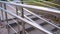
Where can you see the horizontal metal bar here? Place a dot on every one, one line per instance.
(13, 29)
(33, 7)
(39, 17)
(25, 20)
(42, 18)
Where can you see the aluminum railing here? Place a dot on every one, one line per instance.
(42, 8)
(27, 21)
(33, 7)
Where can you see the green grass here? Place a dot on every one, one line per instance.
(38, 3)
(11, 0)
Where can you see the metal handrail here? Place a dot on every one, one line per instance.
(25, 20)
(42, 18)
(33, 7)
(38, 17)
(42, 3)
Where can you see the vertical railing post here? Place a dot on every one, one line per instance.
(6, 19)
(23, 24)
(18, 21)
(2, 16)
